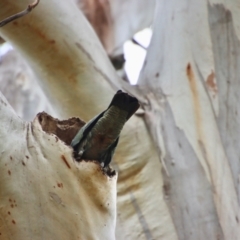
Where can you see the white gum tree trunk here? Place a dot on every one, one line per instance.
(44, 193)
(191, 77)
(178, 158)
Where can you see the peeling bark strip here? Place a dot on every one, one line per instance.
(19, 15)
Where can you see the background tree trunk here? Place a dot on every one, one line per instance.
(178, 158)
(193, 59)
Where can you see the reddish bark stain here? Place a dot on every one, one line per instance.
(60, 185)
(40, 34)
(195, 95)
(9, 172)
(190, 73)
(211, 82)
(65, 161)
(9, 213)
(13, 222)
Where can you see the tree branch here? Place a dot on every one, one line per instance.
(19, 15)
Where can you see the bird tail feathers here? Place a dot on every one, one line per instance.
(126, 102)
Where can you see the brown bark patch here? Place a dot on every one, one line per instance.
(211, 83)
(192, 82)
(63, 129)
(52, 41)
(195, 95)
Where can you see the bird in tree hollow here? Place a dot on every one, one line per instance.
(97, 139)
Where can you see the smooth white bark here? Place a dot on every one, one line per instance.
(75, 79)
(181, 65)
(62, 48)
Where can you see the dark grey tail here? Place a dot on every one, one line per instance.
(126, 102)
